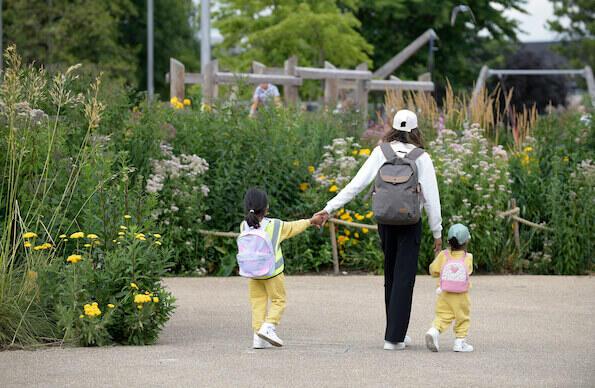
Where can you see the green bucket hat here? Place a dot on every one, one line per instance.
(460, 232)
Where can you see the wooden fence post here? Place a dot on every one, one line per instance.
(331, 88)
(590, 83)
(209, 91)
(176, 79)
(331, 226)
(290, 92)
(515, 228)
(361, 94)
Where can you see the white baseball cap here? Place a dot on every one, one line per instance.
(405, 121)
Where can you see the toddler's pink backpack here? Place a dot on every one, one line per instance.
(256, 255)
(453, 275)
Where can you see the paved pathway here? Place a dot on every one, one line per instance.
(527, 331)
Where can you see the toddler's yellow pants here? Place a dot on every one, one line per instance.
(449, 307)
(261, 291)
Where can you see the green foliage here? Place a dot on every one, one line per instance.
(271, 31)
(575, 20)
(390, 25)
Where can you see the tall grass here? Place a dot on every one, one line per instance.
(33, 191)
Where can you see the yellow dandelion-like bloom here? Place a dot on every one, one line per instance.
(304, 186)
(110, 305)
(346, 232)
(342, 240)
(174, 100)
(364, 152)
(341, 211)
(62, 236)
(528, 149)
(121, 233)
(140, 299)
(345, 216)
(42, 247)
(92, 310)
(127, 216)
(369, 214)
(187, 102)
(356, 235)
(565, 159)
(140, 306)
(114, 241)
(27, 244)
(123, 227)
(77, 235)
(359, 217)
(92, 236)
(354, 152)
(365, 230)
(311, 169)
(133, 285)
(333, 189)
(157, 242)
(30, 235)
(74, 259)
(87, 245)
(81, 316)
(137, 235)
(156, 235)
(155, 299)
(97, 242)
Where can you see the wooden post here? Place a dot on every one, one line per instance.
(331, 89)
(590, 83)
(257, 67)
(515, 228)
(209, 92)
(176, 79)
(290, 92)
(405, 54)
(361, 94)
(331, 226)
(479, 84)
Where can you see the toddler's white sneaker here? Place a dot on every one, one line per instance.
(259, 343)
(462, 346)
(432, 339)
(268, 332)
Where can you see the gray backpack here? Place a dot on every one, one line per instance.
(396, 195)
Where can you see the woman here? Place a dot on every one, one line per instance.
(400, 243)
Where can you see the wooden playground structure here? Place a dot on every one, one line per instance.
(359, 81)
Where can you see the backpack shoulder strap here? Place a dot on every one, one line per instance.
(388, 151)
(415, 153)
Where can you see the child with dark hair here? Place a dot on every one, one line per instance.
(270, 288)
(453, 266)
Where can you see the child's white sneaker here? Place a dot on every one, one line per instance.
(432, 339)
(259, 343)
(462, 346)
(268, 333)
(399, 345)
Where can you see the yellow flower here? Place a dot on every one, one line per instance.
(62, 236)
(147, 292)
(528, 149)
(30, 235)
(111, 306)
(155, 299)
(87, 245)
(565, 159)
(311, 169)
(187, 102)
(97, 242)
(296, 163)
(356, 235)
(138, 235)
(140, 306)
(365, 230)
(174, 100)
(345, 216)
(121, 233)
(359, 217)
(123, 227)
(341, 211)
(156, 235)
(333, 189)
(42, 247)
(92, 310)
(81, 316)
(27, 244)
(369, 214)
(127, 216)
(92, 236)
(133, 285)
(114, 241)
(354, 152)
(342, 239)
(140, 299)
(346, 232)
(206, 108)
(304, 186)
(157, 242)
(77, 235)
(74, 259)
(364, 152)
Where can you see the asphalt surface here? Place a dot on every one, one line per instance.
(527, 331)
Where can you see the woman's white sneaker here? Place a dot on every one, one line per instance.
(462, 346)
(432, 339)
(268, 333)
(407, 341)
(394, 346)
(259, 343)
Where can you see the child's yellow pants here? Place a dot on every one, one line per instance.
(453, 307)
(261, 291)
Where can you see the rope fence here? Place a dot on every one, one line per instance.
(511, 214)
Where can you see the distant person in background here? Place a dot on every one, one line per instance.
(264, 94)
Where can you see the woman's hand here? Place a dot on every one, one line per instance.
(323, 216)
(437, 245)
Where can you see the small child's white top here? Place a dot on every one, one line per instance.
(427, 179)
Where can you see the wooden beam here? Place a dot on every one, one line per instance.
(290, 91)
(396, 61)
(231, 78)
(189, 78)
(331, 89)
(333, 73)
(176, 86)
(401, 85)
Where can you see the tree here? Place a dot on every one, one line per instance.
(576, 22)
(390, 25)
(272, 30)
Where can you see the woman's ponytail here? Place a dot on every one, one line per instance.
(255, 205)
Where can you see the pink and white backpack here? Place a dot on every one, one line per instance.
(256, 255)
(453, 275)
